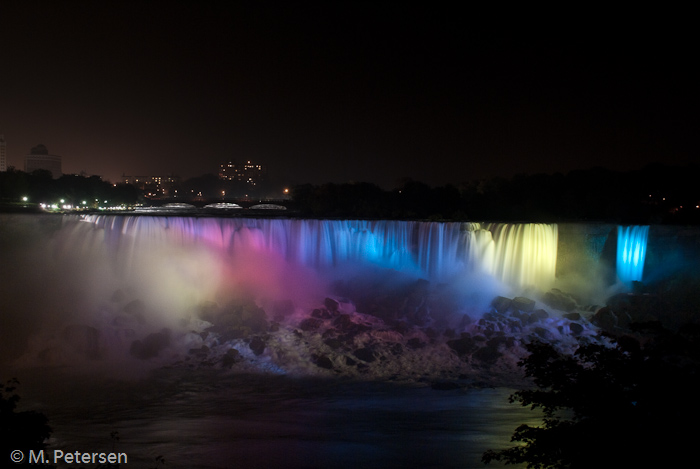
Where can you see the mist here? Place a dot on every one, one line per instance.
(97, 291)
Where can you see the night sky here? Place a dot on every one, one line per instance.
(346, 91)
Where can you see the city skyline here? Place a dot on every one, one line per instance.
(345, 92)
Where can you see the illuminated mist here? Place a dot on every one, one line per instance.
(89, 286)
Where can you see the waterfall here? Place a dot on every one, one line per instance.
(631, 252)
(521, 255)
(524, 255)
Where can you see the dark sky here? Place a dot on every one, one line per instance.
(346, 91)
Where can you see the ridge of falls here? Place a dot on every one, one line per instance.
(520, 255)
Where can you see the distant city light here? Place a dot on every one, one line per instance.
(25, 198)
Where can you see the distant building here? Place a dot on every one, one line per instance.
(3, 153)
(248, 172)
(39, 158)
(154, 186)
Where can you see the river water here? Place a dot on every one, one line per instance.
(212, 419)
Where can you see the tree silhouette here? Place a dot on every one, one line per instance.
(22, 431)
(624, 406)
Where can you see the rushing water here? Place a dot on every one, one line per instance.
(631, 252)
(65, 276)
(518, 254)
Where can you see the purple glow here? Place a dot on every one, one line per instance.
(518, 254)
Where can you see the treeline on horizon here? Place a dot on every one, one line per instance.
(40, 187)
(654, 194)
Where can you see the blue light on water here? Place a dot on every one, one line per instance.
(631, 252)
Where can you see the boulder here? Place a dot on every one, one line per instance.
(242, 315)
(344, 323)
(396, 349)
(333, 343)
(331, 305)
(257, 345)
(523, 304)
(501, 304)
(230, 358)
(540, 314)
(310, 324)
(605, 318)
(365, 354)
(559, 300)
(324, 362)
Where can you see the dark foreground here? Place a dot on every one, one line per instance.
(210, 419)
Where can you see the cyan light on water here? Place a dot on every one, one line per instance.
(631, 252)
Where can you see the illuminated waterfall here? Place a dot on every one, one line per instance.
(524, 255)
(631, 252)
(521, 255)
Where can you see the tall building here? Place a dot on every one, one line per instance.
(154, 186)
(39, 158)
(3, 153)
(248, 172)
